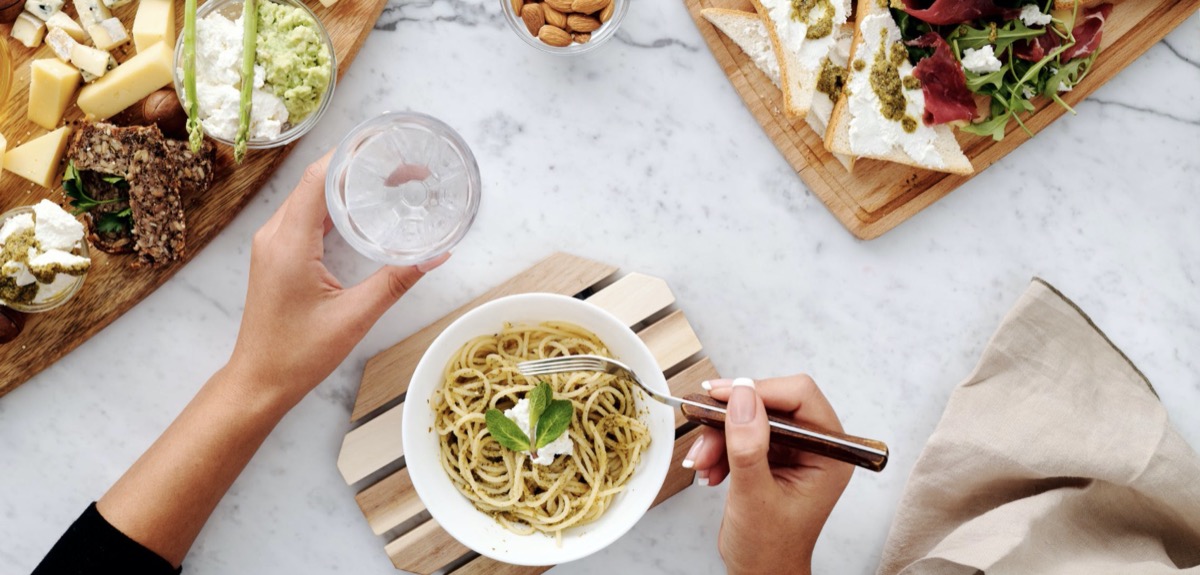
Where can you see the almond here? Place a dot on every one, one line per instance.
(589, 6)
(533, 17)
(554, 17)
(516, 6)
(560, 5)
(554, 36)
(607, 11)
(581, 38)
(581, 23)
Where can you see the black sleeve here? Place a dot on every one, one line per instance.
(92, 546)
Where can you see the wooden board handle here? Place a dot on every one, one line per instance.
(865, 453)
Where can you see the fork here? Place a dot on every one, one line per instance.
(866, 453)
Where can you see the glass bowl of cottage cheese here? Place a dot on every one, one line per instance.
(295, 71)
(43, 257)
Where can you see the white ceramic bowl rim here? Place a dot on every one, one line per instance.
(455, 513)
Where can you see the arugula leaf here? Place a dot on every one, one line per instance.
(555, 420)
(506, 432)
(539, 398)
(81, 202)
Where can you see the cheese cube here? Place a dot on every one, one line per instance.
(61, 43)
(51, 85)
(28, 30)
(155, 22)
(44, 9)
(3, 147)
(91, 12)
(93, 62)
(108, 34)
(133, 80)
(116, 3)
(63, 22)
(37, 160)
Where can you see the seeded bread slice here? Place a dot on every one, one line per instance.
(749, 32)
(837, 136)
(159, 226)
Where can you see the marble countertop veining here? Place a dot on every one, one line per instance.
(642, 154)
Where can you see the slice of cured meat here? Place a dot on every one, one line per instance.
(947, 98)
(1035, 49)
(941, 12)
(1087, 32)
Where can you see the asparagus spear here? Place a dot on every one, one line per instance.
(195, 134)
(249, 47)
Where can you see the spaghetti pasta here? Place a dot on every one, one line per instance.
(607, 434)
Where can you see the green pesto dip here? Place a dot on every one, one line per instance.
(294, 56)
(885, 79)
(16, 249)
(802, 10)
(831, 79)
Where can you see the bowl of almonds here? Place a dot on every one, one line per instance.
(565, 26)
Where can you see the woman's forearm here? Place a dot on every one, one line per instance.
(164, 499)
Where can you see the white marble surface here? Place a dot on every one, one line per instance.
(642, 154)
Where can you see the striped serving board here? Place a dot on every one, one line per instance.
(372, 455)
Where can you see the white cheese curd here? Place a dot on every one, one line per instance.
(981, 61)
(761, 51)
(56, 229)
(218, 81)
(792, 34)
(50, 258)
(871, 134)
(1032, 16)
(15, 225)
(19, 272)
(519, 414)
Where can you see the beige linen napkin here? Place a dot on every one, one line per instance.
(1053, 457)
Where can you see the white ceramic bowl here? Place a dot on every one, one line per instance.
(479, 531)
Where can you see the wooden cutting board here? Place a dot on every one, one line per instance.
(112, 288)
(879, 196)
(372, 455)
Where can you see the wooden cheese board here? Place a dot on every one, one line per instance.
(879, 196)
(372, 454)
(112, 288)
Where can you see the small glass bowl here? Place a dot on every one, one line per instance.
(232, 9)
(603, 34)
(59, 298)
(410, 220)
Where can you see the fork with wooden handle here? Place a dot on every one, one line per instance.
(866, 453)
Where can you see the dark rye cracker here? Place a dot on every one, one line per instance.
(159, 226)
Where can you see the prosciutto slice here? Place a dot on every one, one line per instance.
(1087, 38)
(941, 12)
(947, 98)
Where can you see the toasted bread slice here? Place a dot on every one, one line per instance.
(938, 150)
(749, 32)
(799, 56)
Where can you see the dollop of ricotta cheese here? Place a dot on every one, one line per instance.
(218, 83)
(871, 134)
(981, 61)
(562, 445)
(1032, 16)
(793, 35)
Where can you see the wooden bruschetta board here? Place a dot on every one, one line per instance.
(372, 455)
(112, 288)
(879, 196)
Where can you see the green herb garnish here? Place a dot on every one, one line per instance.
(548, 417)
(249, 49)
(195, 133)
(112, 222)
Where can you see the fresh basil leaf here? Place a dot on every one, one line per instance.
(539, 398)
(506, 432)
(555, 420)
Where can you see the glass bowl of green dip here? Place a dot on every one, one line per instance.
(67, 288)
(295, 70)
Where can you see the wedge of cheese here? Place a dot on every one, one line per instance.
(93, 63)
(154, 23)
(61, 21)
(108, 34)
(37, 160)
(749, 32)
(888, 126)
(133, 80)
(28, 30)
(801, 40)
(52, 83)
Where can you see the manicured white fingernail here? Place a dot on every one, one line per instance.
(689, 460)
(702, 478)
(706, 385)
(743, 382)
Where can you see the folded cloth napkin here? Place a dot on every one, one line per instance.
(1055, 456)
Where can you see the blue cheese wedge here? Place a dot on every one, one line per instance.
(92, 62)
(28, 30)
(65, 23)
(91, 12)
(108, 34)
(61, 43)
(44, 9)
